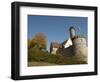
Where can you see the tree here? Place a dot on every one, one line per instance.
(39, 41)
(29, 43)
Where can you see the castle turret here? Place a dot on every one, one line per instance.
(79, 45)
(72, 32)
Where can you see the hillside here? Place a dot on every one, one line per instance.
(42, 58)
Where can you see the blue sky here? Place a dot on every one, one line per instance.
(56, 28)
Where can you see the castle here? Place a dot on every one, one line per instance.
(74, 46)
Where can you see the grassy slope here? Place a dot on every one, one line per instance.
(40, 63)
(40, 58)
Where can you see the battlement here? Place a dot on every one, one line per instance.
(78, 36)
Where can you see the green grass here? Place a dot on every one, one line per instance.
(36, 55)
(37, 63)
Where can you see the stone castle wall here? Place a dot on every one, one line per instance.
(80, 48)
(68, 51)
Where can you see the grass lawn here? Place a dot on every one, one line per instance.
(35, 63)
(40, 58)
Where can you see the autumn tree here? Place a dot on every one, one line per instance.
(29, 43)
(39, 41)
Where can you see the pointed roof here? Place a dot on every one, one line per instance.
(63, 43)
(55, 44)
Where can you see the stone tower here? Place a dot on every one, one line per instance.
(72, 32)
(79, 45)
